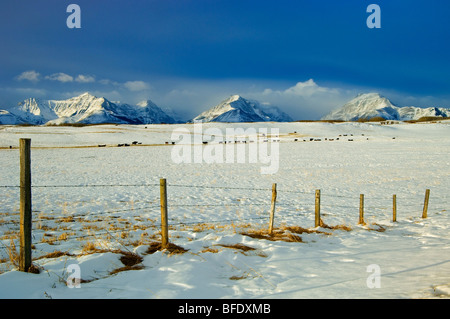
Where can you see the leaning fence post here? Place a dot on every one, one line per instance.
(25, 204)
(394, 208)
(361, 209)
(317, 211)
(425, 204)
(164, 224)
(272, 208)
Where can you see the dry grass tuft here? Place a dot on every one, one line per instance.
(34, 269)
(301, 230)
(68, 219)
(130, 259)
(12, 253)
(378, 228)
(126, 268)
(55, 254)
(238, 246)
(338, 227)
(238, 277)
(290, 233)
(277, 235)
(210, 250)
(89, 248)
(172, 248)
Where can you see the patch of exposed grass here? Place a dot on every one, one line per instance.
(377, 228)
(171, 248)
(126, 268)
(210, 250)
(238, 277)
(238, 246)
(301, 230)
(55, 254)
(276, 235)
(336, 227)
(290, 233)
(130, 259)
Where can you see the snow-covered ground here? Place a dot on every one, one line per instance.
(99, 204)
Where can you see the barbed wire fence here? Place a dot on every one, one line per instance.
(292, 207)
(300, 210)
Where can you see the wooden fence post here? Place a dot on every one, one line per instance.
(317, 212)
(272, 208)
(361, 209)
(25, 205)
(164, 223)
(425, 204)
(394, 208)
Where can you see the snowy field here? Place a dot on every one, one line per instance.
(93, 206)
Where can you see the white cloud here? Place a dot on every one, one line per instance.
(84, 78)
(61, 77)
(304, 89)
(136, 85)
(304, 100)
(109, 82)
(32, 76)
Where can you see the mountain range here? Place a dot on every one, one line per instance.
(89, 109)
(374, 105)
(85, 109)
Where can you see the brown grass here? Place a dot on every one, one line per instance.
(338, 227)
(68, 219)
(34, 269)
(241, 247)
(378, 228)
(130, 259)
(301, 230)
(372, 119)
(276, 235)
(210, 250)
(13, 254)
(126, 268)
(172, 248)
(238, 277)
(55, 254)
(290, 233)
(428, 119)
(14, 258)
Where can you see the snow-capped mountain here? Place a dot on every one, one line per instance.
(370, 105)
(86, 109)
(6, 118)
(237, 109)
(153, 114)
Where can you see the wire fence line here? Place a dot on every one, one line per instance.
(296, 209)
(311, 193)
(307, 206)
(289, 208)
(291, 203)
(203, 187)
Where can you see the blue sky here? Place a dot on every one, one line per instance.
(307, 57)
